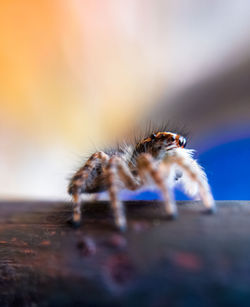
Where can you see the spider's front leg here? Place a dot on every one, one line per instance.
(195, 173)
(146, 164)
(77, 182)
(118, 173)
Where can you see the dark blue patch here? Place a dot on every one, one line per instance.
(228, 168)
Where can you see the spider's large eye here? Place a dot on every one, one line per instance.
(182, 142)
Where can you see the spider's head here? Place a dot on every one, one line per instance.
(158, 143)
(170, 140)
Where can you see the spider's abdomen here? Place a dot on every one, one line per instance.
(90, 178)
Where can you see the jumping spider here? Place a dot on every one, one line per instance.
(160, 159)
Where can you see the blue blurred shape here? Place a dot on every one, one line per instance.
(228, 167)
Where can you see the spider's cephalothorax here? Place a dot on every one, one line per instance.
(160, 157)
(157, 144)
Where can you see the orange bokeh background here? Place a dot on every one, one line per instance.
(78, 73)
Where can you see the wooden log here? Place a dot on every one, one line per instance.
(197, 260)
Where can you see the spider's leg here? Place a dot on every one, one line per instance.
(117, 171)
(194, 171)
(112, 178)
(146, 164)
(78, 180)
(126, 175)
(94, 197)
(76, 217)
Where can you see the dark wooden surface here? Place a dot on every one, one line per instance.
(197, 260)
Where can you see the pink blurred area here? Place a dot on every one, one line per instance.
(76, 74)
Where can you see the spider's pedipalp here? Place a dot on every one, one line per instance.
(78, 181)
(194, 172)
(146, 164)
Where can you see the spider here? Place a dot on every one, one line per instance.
(160, 159)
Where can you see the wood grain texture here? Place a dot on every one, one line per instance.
(197, 260)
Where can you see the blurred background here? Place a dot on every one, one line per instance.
(75, 75)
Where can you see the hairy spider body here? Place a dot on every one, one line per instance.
(160, 158)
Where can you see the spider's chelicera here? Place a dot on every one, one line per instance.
(160, 159)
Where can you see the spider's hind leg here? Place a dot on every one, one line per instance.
(76, 217)
(146, 164)
(78, 181)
